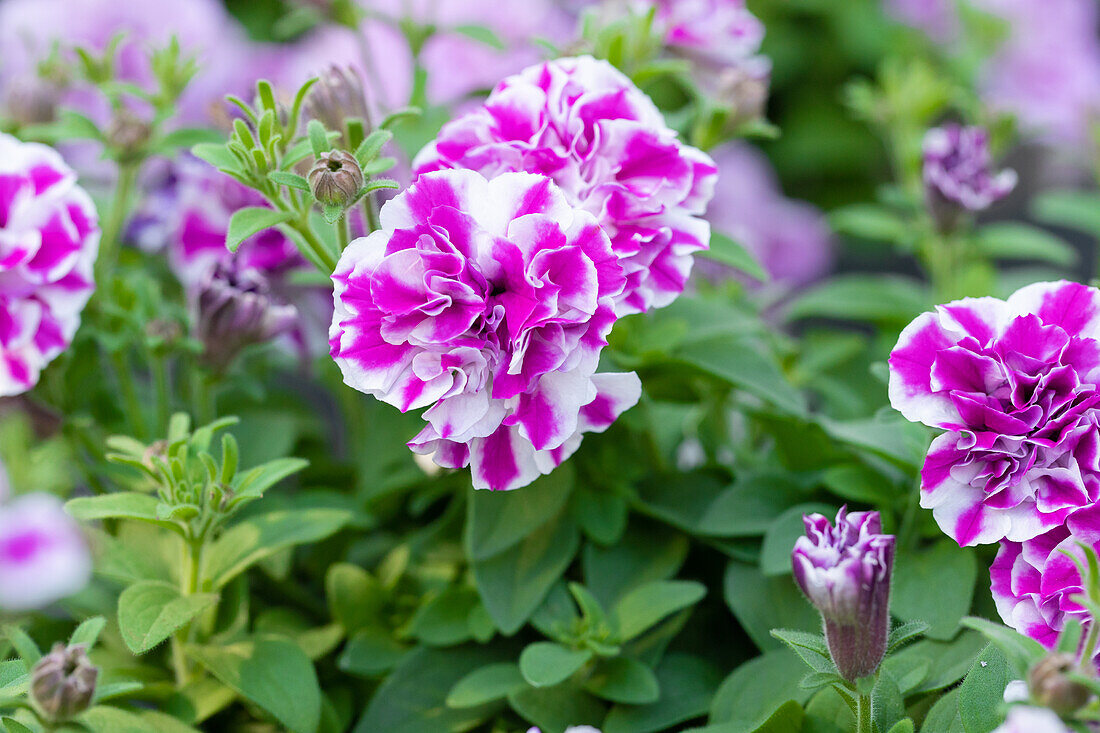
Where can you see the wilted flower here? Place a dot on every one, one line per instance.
(1034, 582)
(844, 570)
(43, 555)
(235, 309)
(584, 124)
(957, 172)
(49, 238)
(1026, 719)
(63, 682)
(336, 178)
(1052, 687)
(487, 302)
(1014, 384)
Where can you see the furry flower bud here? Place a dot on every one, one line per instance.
(336, 178)
(1052, 688)
(844, 570)
(236, 309)
(63, 682)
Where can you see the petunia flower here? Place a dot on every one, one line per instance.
(1015, 386)
(43, 554)
(487, 302)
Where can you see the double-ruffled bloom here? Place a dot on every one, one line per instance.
(1027, 719)
(1015, 385)
(844, 570)
(585, 125)
(487, 302)
(958, 168)
(722, 31)
(49, 238)
(1033, 582)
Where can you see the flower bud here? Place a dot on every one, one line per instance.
(1051, 687)
(31, 101)
(337, 97)
(958, 174)
(128, 133)
(844, 570)
(236, 309)
(745, 90)
(336, 178)
(63, 682)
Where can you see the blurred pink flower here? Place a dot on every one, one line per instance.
(49, 238)
(43, 554)
(789, 238)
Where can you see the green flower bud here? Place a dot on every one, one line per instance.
(1052, 688)
(336, 179)
(63, 682)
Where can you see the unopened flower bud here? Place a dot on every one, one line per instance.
(337, 97)
(336, 178)
(844, 570)
(31, 101)
(128, 133)
(745, 90)
(63, 682)
(236, 309)
(1051, 686)
(958, 175)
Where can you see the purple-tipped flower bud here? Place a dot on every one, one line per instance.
(1051, 686)
(336, 178)
(236, 309)
(337, 97)
(845, 570)
(63, 682)
(958, 173)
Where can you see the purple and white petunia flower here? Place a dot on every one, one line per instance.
(1015, 385)
(49, 238)
(844, 570)
(1027, 719)
(43, 554)
(604, 143)
(1034, 582)
(957, 167)
(488, 303)
(570, 729)
(717, 31)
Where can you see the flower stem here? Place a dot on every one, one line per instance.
(863, 714)
(190, 578)
(112, 228)
(125, 378)
(1088, 649)
(343, 235)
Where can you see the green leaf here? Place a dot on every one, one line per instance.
(545, 664)
(151, 611)
(810, 647)
(380, 183)
(14, 726)
(732, 253)
(270, 671)
(444, 619)
(498, 520)
(646, 552)
(762, 603)
(292, 180)
(687, 685)
(746, 365)
(750, 506)
(369, 149)
(887, 704)
(556, 708)
(25, 647)
(871, 222)
(404, 114)
(1016, 241)
(481, 34)
(644, 606)
(905, 725)
(121, 505)
(787, 719)
(251, 220)
(1021, 651)
(601, 514)
(902, 635)
(1074, 209)
(318, 138)
(259, 479)
(255, 538)
(371, 651)
(412, 699)
(513, 584)
(982, 692)
(885, 299)
(355, 597)
(88, 632)
(188, 137)
(625, 680)
(944, 716)
(915, 572)
(493, 682)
